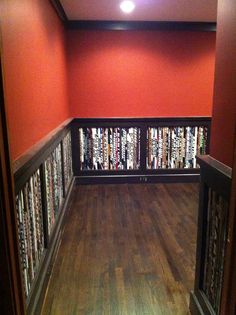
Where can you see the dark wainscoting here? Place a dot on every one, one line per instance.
(37, 180)
(142, 174)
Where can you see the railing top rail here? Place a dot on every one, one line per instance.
(31, 160)
(142, 120)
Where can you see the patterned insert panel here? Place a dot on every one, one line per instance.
(54, 188)
(175, 147)
(109, 148)
(30, 228)
(215, 248)
(67, 159)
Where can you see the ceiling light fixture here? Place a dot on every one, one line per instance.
(127, 6)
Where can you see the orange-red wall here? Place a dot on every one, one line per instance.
(140, 73)
(110, 73)
(223, 133)
(35, 72)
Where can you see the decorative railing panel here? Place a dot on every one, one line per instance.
(54, 188)
(175, 147)
(215, 248)
(30, 228)
(42, 181)
(109, 148)
(67, 160)
(147, 147)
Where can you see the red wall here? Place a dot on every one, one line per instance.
(111, 73)
(35, 76)
(140, 73)
(223, 134)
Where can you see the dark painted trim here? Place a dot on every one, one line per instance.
(137, 179)
(75, 147)
(220, 168)
(39, 147)
(29, 162)
(140, 172)
(60, 10)
(143, 144)
(151, 121)
(141, 25)
(215, 175)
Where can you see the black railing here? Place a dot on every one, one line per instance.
(43, 180)
(212, 236)
(174, 134)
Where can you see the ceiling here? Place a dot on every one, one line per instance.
(146, 10)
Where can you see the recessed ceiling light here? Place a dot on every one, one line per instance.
(127, 6)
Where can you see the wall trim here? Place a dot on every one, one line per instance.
(115, 121)
(140, 25)
(29, 161)
(138, 179)
(59, 10)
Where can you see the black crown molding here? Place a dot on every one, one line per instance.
(131, 25)
(60, 11)
(141, 25)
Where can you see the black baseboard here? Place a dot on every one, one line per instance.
(41, 282)
(138, 179)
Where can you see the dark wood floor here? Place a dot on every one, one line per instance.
(126, 250)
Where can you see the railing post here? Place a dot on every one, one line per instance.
(143, 148)
(75, 145)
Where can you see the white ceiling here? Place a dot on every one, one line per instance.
(146, 10)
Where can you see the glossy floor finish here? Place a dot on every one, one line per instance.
(126, 250)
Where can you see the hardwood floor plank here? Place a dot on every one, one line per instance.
(126, 250)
